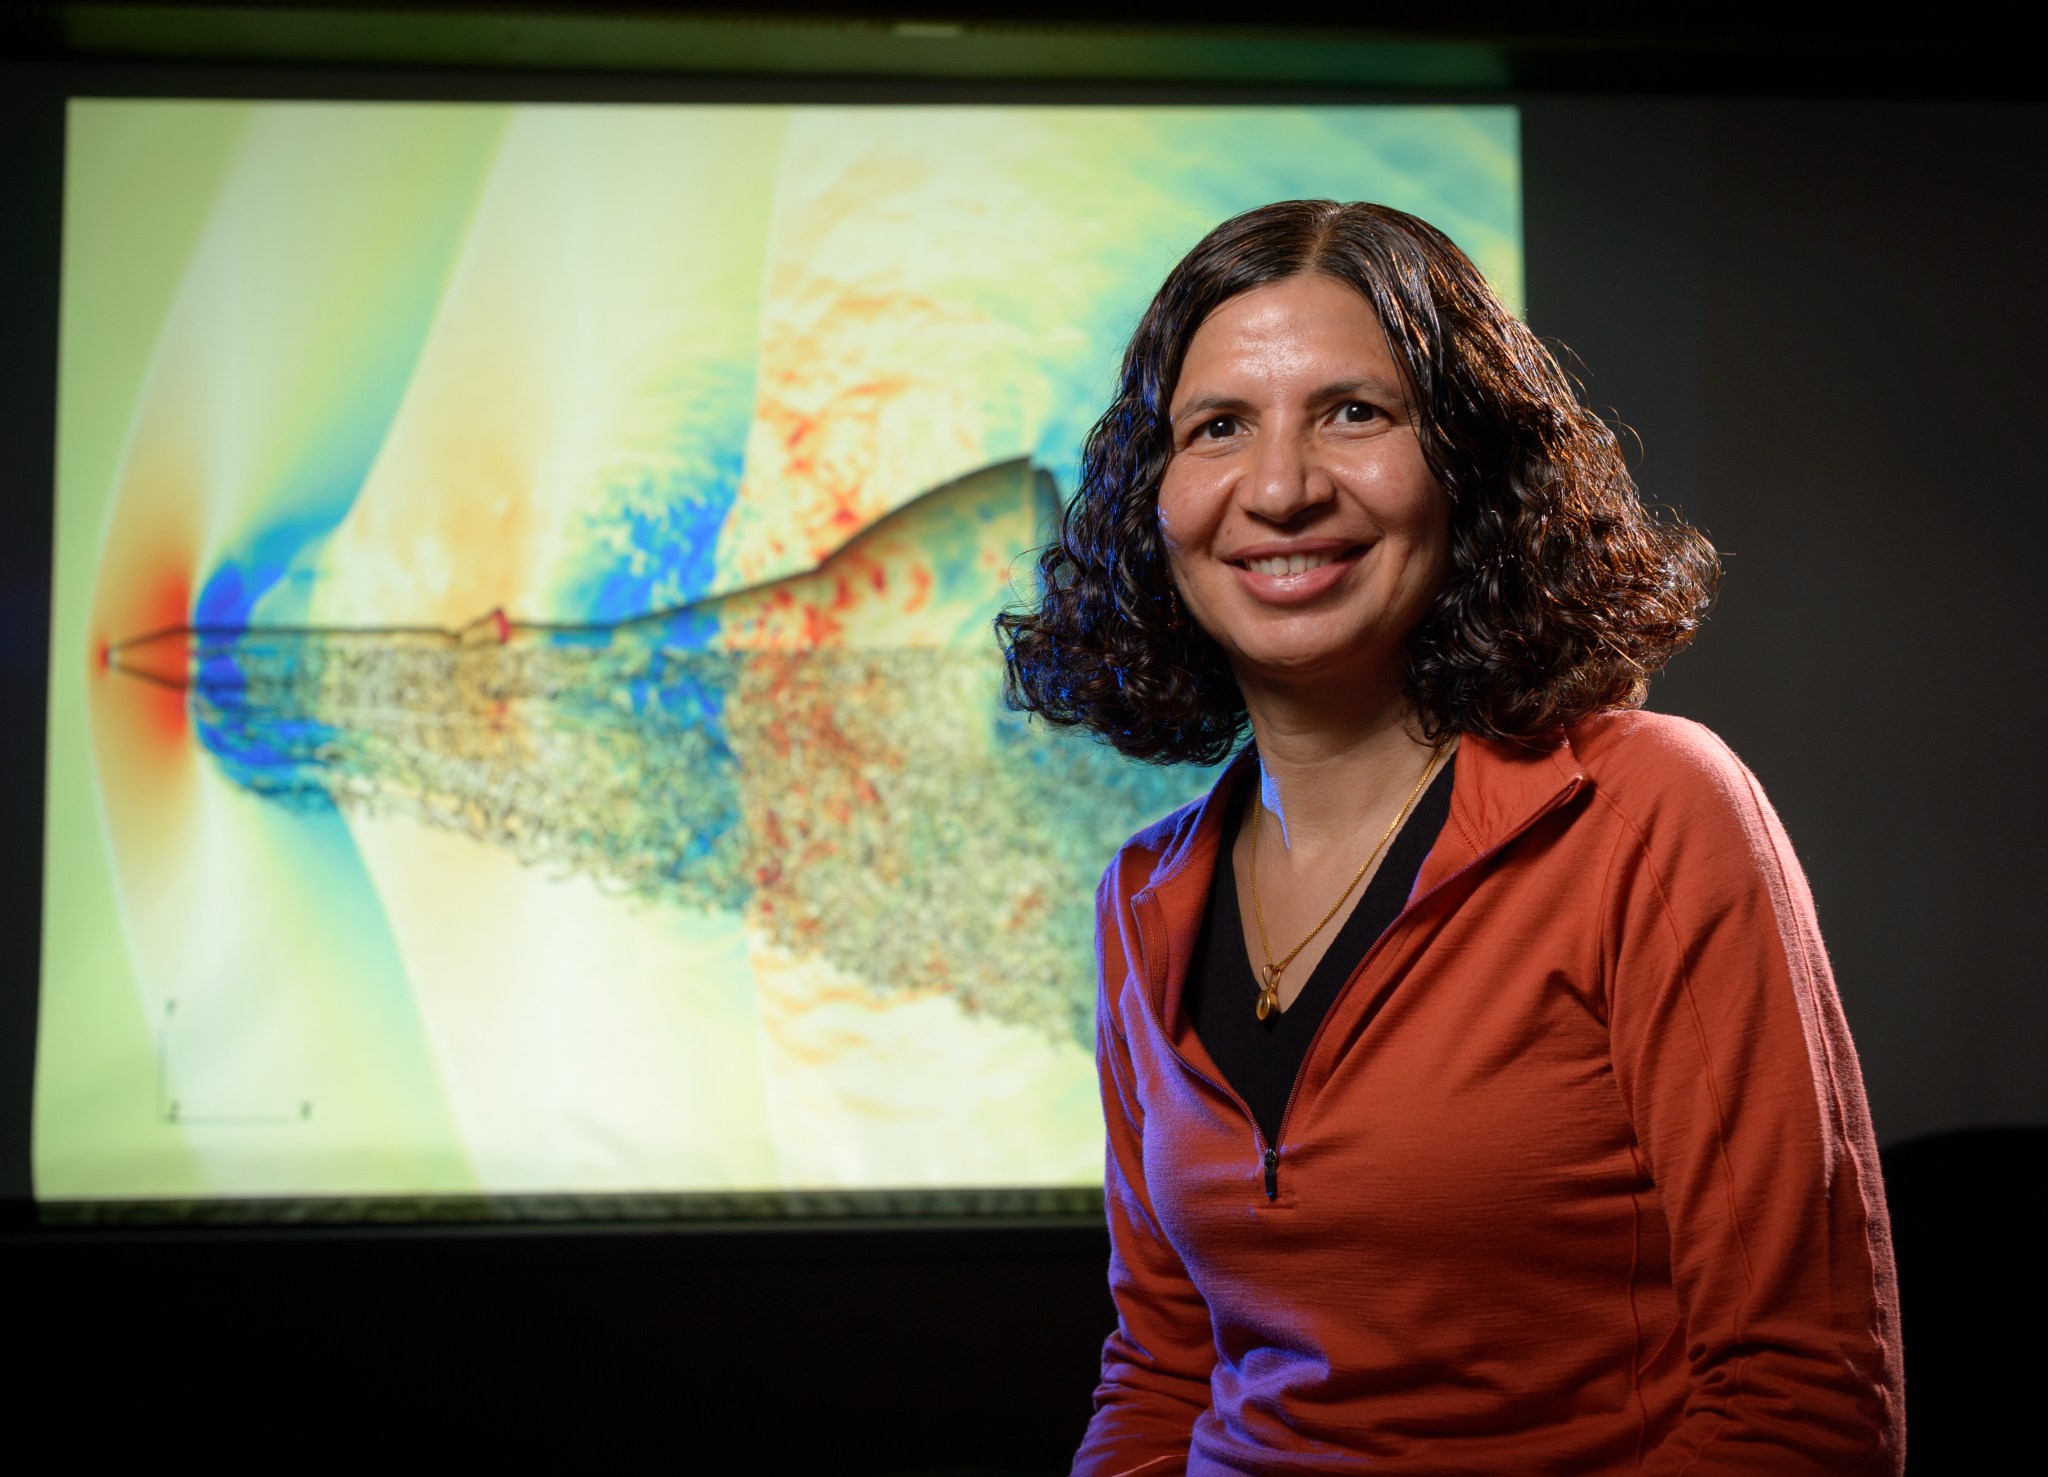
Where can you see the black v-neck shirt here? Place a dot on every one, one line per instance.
(1260, 1059)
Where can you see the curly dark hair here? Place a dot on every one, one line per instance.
(1564, 594)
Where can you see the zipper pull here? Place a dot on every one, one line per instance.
(1272, 1174)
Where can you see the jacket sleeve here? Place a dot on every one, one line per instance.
(1155, 1365)
(1735, 1064)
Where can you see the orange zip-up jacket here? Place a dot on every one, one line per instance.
(1577, 1176)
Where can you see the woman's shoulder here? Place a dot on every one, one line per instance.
(1155, 852)
(1691, 813)
(1655, 767)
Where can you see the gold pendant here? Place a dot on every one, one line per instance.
(1269, 993)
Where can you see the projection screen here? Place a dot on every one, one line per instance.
(524, 721)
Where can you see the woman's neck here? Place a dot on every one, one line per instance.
(1326, 768)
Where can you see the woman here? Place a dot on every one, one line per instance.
(1477, 1093)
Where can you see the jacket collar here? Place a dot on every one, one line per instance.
(1499, 790)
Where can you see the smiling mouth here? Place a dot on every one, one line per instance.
(1282, 564)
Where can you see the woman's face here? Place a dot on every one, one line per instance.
(1304, 530)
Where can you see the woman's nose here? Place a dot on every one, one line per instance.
(1286, 479)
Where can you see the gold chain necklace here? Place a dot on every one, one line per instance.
(1269, 992)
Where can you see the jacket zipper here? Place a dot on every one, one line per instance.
(1269, 1154)
(1269, 1157)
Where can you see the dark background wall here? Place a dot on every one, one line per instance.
(1819, 317)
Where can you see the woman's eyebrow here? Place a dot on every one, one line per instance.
(1208, 403)
(1369, 385)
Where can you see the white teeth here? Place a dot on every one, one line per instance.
(1288, 563)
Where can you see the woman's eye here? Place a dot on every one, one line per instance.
(1356, 412)
(1215, 430)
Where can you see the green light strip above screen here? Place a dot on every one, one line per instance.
(531, 38)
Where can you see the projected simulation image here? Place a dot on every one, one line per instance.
(524, 718)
